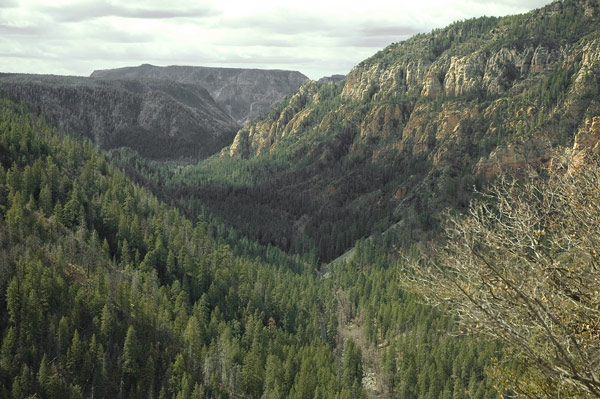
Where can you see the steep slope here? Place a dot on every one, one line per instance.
(332, 79)
(425, 89)
(107, 292)
(158, 119)
(409, 132)
(244, 93)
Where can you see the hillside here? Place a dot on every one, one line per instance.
(243, 93)
(127, 275)
(108, 292)
(408, 133)
(155, 118)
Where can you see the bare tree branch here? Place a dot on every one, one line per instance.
(524, 267)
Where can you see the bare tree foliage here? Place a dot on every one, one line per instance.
(523, 267)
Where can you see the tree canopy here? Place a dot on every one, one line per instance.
(523, 267)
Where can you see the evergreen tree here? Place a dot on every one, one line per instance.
(75, 356)
(131, 353)
(44, 376)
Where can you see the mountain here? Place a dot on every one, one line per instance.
(158, 119)
(332, 78)
(244, 93)
(108, 292)
(423, 90)
(408, 133)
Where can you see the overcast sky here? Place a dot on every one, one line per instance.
(317, 38)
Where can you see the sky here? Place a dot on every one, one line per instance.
(317, 38)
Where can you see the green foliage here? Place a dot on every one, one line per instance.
(553, 89)
(423, 353)
(338, 163)
(108, 292)
(352, 372)
(459, 32)
(564, 22)
(305, 206)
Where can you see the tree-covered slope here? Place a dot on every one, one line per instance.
(244, 93)
(158, 119)
(410, 132)
(107, 292)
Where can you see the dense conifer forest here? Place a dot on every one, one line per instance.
(109, 292)
(344, 245)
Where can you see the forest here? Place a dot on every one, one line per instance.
(110, 292)
(374, 238)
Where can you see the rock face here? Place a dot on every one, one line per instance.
(243, 93)
(332, 79)
(156, 118)
(413, 128)
(478, 87)
(261, 135)
(587, 141)
(494, 71)
(438, 113)
(589, 136)
(464, 74)
(514, 158)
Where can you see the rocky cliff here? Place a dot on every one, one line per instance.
(243, 93)
(332, 79)
(483, 66)
(158, 119)
(413, 128)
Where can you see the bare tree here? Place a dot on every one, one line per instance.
(523, 266)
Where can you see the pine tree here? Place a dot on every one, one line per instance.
(389, 367)
(186, 387)
(27, 382)
(13, 301)
(273, 375)
(193, 338)
(17, 392)
(197, 393)
(44, 375)
(15, 216)
(63, 335)
(45, 200)
(351, 364)
(75, 356)
(106, 323)
(130, 353)
(253, 374)
(125, 253)
(9, 346)
(177, 373)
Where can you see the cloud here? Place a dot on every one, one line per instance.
(254, 39)
(6, 29)
(391, 30)
(263, 59)
(8, 4)
(83, 11)
(313, 36)
(285, 21)
(373, 42)
(376, 36)
(529, 4)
